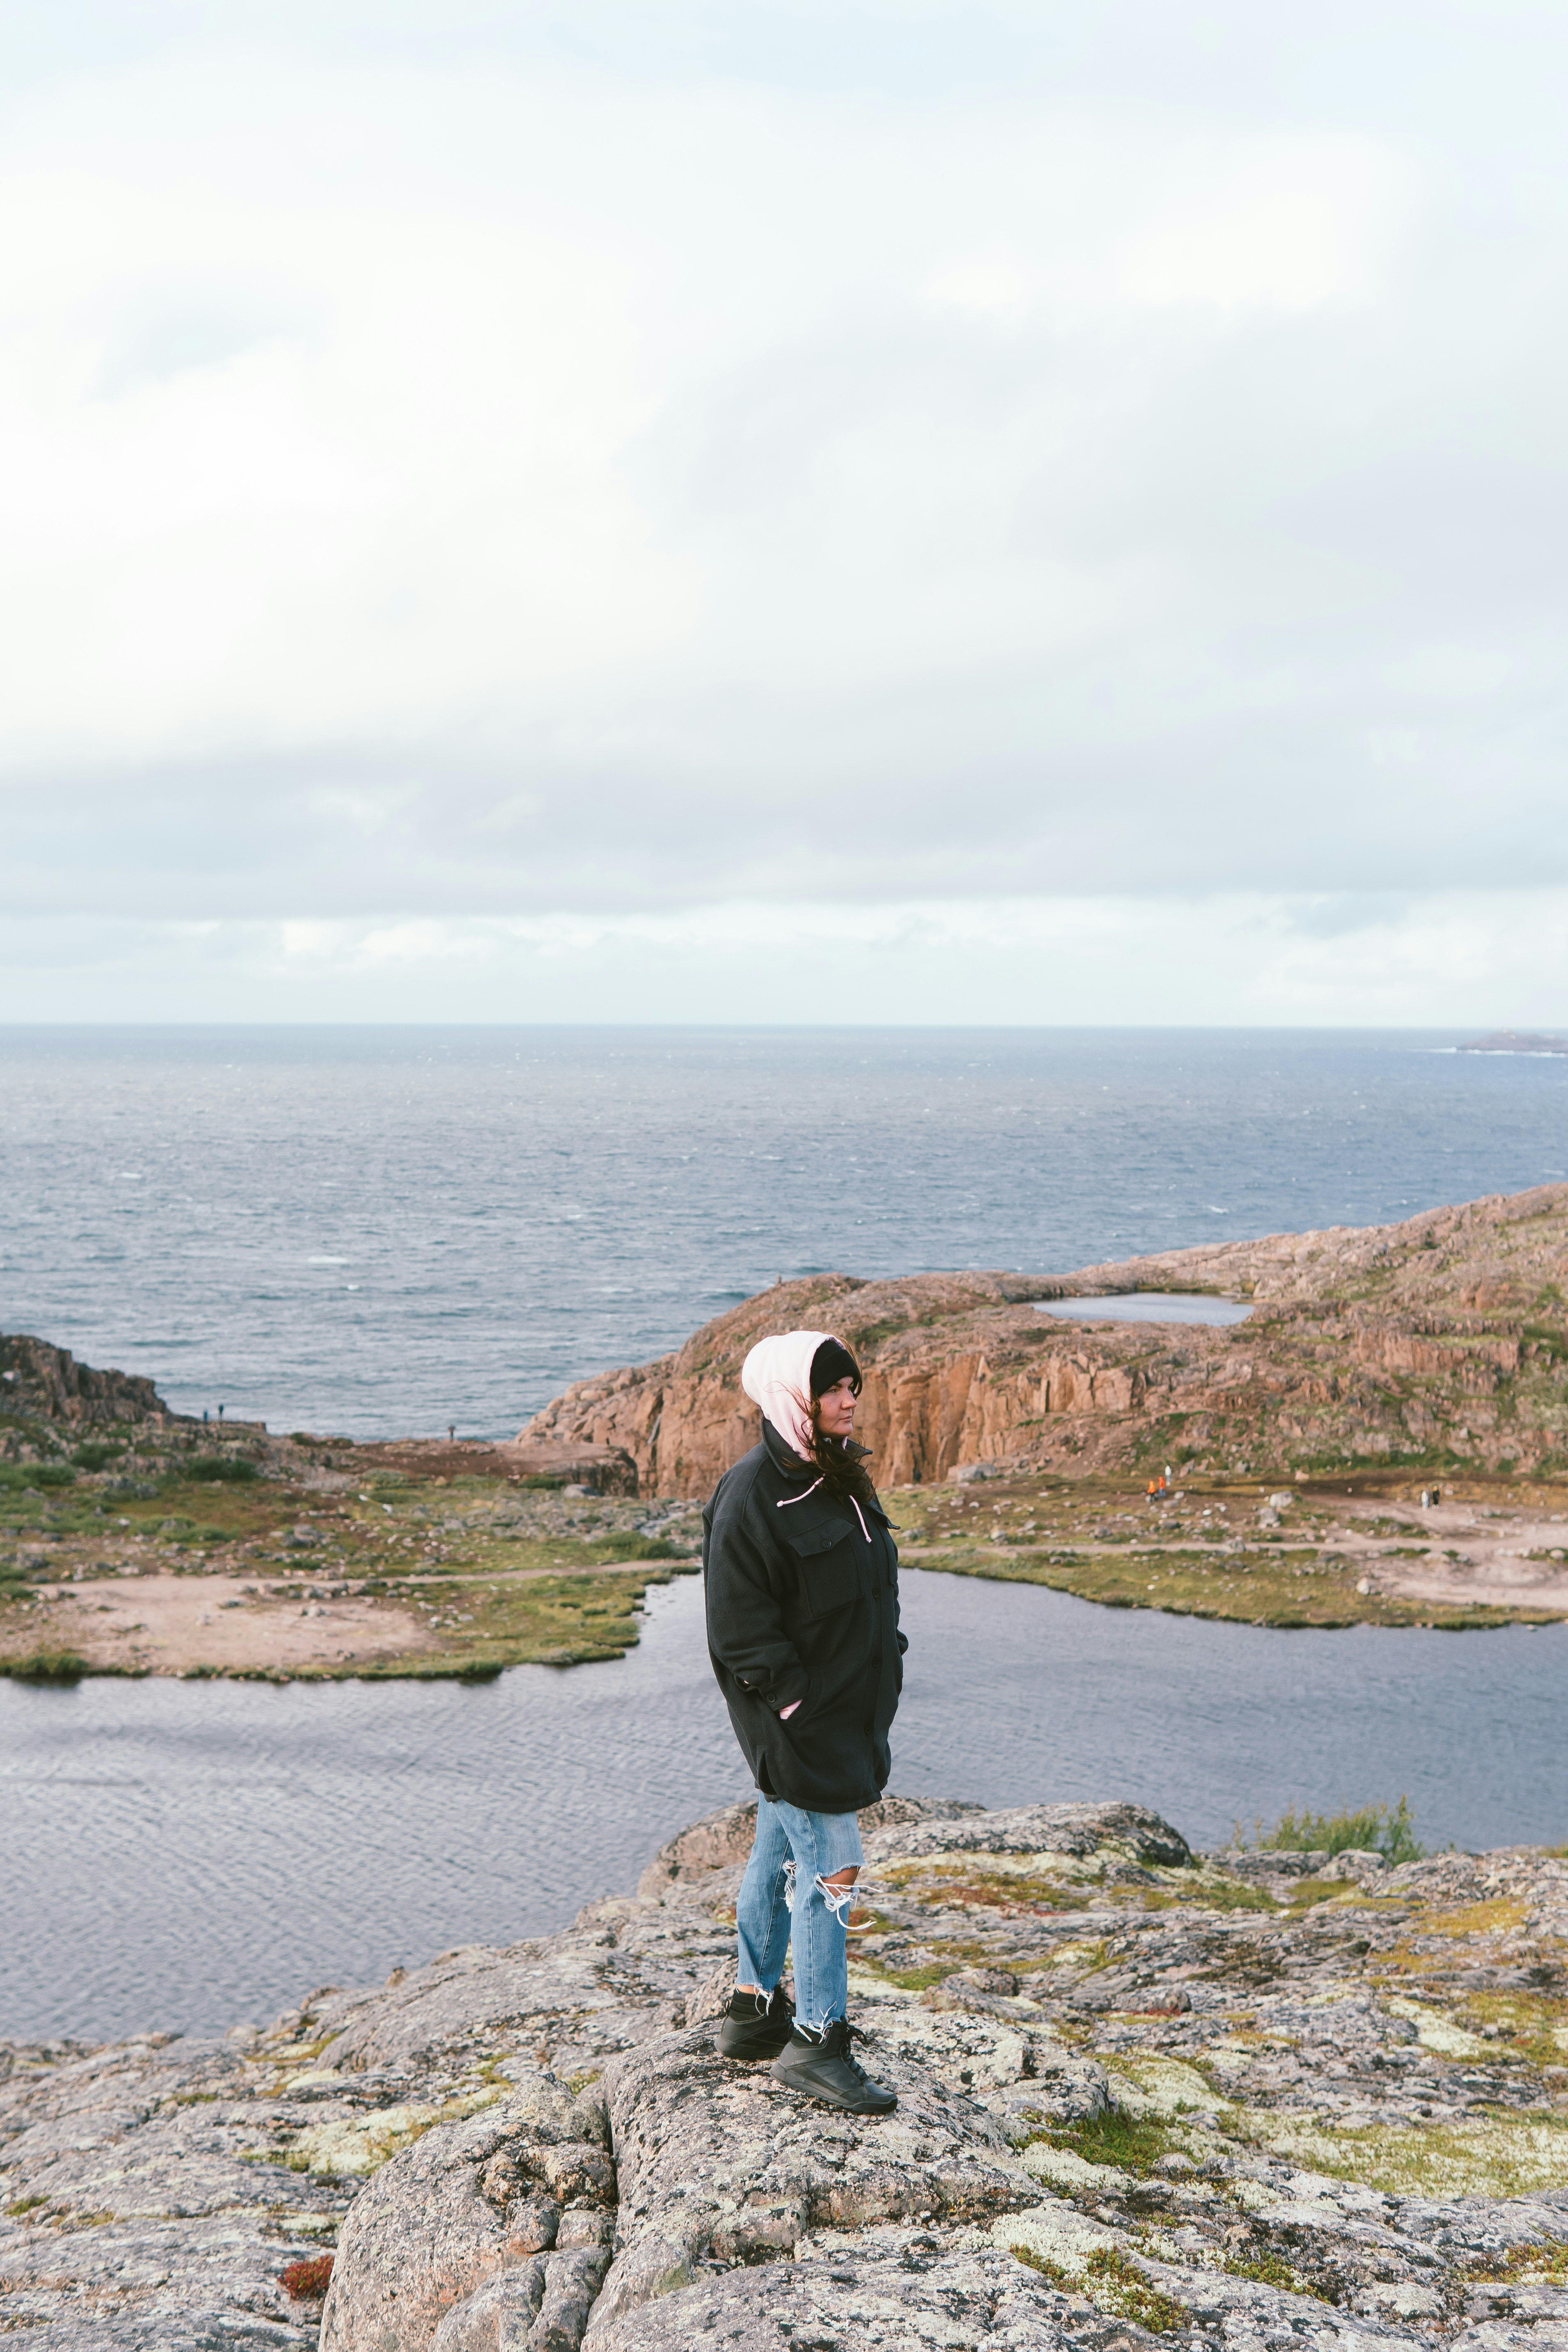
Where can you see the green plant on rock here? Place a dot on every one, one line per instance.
(1545, 2262)
(1051, 2272)
(94, 1457)
(1131, 2143)
(1273, 2269)
(1120, 2286)
(18, 1477)
(1387, 1830)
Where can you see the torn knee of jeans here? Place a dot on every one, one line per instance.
(789, 1884)
(837, 1899)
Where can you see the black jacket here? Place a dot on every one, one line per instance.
(802, 1605)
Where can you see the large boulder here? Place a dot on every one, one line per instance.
(516, 2200)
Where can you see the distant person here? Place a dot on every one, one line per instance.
(802, 1581)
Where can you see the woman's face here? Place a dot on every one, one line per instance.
(836, 1410)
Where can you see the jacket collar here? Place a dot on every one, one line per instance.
(787, 1462)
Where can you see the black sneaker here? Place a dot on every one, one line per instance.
(823, 2068)
(756, 2027)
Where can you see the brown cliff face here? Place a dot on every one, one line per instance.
(44, 1383)
(1441, 1338)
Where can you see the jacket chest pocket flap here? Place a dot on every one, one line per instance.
(832, 1569)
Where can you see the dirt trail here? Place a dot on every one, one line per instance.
(1470, 1554)
(174, 1624)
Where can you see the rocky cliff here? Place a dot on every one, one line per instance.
(1258, 2102)
(38, 1382)
(1440, 1339)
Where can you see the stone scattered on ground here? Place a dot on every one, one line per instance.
(1250, 2099)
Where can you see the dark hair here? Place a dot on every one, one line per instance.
(840, 1460)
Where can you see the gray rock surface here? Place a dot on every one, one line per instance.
(1234, 2100)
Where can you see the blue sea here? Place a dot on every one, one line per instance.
(381, 1231)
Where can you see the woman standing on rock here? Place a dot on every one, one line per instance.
(802, 1580)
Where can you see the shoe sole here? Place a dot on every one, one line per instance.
(827, 2099)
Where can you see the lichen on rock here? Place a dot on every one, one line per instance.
(1142, 2093)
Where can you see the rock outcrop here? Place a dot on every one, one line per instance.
(1249, 2100)
(1442, 1339)
(38, 1382)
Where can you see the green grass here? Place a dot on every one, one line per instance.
(1285, 1585)
(1132, 2143)
(57, 1667)
(16, 1476)
(633, 1547)
(1387, 1830)
(1118, 2286)
(96, 1457)
(1225, 1895)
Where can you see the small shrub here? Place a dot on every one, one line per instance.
(58, 1666)
(219, 1469)
(94, 1457)
(1389, 1831)
(19, 1475)
(630, 1546)
(307, 2281)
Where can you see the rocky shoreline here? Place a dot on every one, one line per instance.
(1253, 2099)
(1377, 1367)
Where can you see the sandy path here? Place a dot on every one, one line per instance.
(169, 1625)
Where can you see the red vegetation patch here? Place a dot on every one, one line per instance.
(307, 2281)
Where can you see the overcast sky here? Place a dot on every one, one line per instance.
(823, 509)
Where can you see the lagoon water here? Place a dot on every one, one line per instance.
(1137, 1306)
(187, 1855)
(379, 1232)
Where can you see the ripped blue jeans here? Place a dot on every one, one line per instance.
(785, 1899)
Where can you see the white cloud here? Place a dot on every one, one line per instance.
(1457, 960)
(897, 455)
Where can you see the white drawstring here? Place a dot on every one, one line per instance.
(785, 1500)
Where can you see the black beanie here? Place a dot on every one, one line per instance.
(832, 1363)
